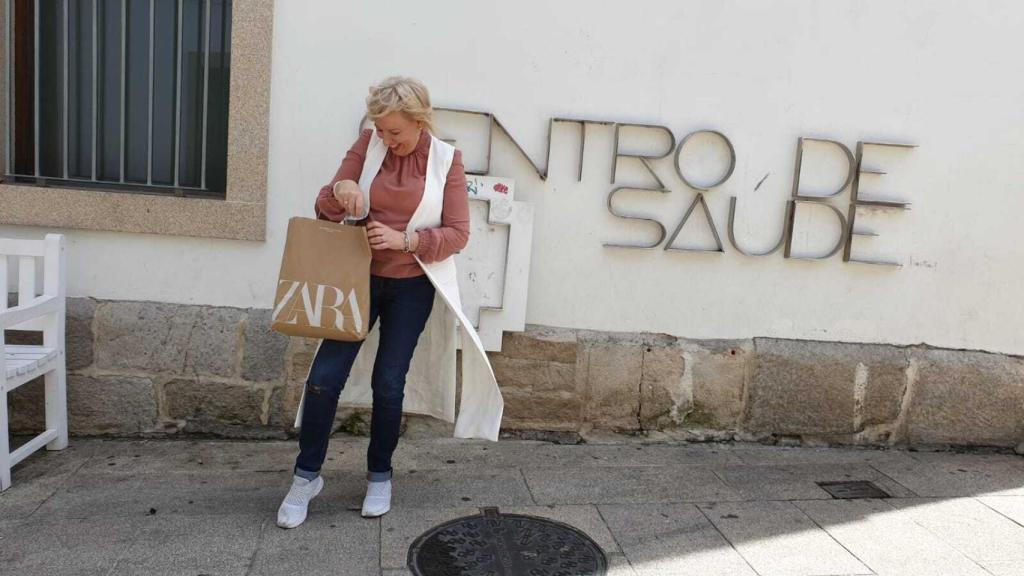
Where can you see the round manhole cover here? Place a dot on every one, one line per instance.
(497, 544)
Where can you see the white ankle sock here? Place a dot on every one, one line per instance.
(378, 499)
(293, 510)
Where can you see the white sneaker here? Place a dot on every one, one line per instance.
(293, 510)
(378, 499)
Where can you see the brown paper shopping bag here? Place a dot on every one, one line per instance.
(323, 290)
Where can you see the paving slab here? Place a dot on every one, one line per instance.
(248, 456)
(341, 543)
(87, 547)
(799, 481)
(448, 453)
(777, 539)
(343, 454)
(37, 479)
(348, 454)
(106, 446)
(619, 565)
(430, 454)
(757, 454)
(949, 474)
(978, 456)
(93, 494)
(888, 540)
(23, 498)
(626, 484)
(208, 506)
(342, 491)
(1005, 568)
(7, 527)
(1010, 506)
(968, 525)
(452, 489)
(586, 456)
(672, 540)
(175, 545)
(146, 456)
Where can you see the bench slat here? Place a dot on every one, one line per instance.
(25, 348)
(25, 356)
(34, 354)
(19, 360)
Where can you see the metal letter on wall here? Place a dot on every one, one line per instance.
(728, 173)
(616, 213)
(711, 222)
(699, 199)
(492, 121)
(856, 201)
(798, 198)
(643, 158)
(732, 231)
(616, 154)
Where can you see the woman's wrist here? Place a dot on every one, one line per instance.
(411, 241)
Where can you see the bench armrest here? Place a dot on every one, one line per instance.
(41, 306)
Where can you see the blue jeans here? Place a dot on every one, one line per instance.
(403, 306)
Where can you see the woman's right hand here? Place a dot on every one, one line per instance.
(350, 197)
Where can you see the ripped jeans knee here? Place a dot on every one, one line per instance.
(325, 386)
(315, 390)
(321, 401)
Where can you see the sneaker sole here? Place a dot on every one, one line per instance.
(364, 515)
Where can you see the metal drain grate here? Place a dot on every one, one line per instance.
(505, 544)
(853, 489)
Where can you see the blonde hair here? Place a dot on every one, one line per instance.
(401, 94)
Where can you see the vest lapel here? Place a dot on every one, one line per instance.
(375, 153)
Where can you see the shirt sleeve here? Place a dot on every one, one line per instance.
(436, 244)
(326, 206)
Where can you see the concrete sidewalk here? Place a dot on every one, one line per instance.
(208, 507)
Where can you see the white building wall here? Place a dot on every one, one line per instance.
(945, 75)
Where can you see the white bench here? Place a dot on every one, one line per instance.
(20, 364)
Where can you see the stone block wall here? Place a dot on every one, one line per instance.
(145, 369)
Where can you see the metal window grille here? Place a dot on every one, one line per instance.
(128, 95)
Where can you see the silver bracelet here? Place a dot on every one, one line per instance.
(408, 242)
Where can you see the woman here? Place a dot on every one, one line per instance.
(412, 188)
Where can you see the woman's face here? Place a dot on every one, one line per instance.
(400, 133)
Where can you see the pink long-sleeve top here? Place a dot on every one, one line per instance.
(395, 193)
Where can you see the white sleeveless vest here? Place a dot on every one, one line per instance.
(430, 385)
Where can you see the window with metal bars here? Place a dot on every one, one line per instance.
(126, 95)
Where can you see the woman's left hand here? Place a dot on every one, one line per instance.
(383, 237)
